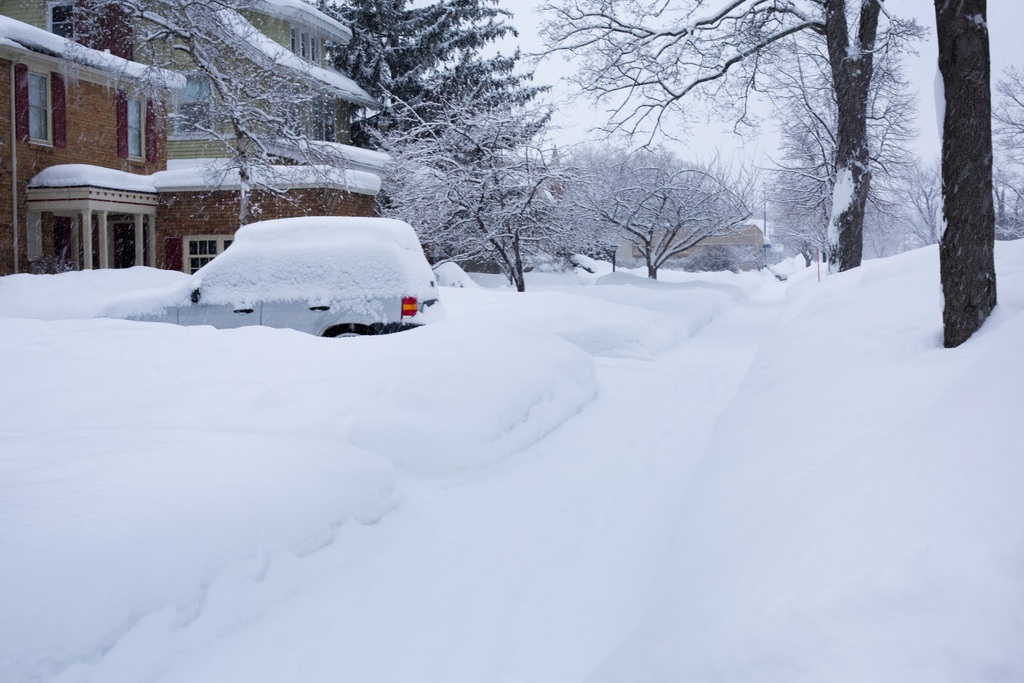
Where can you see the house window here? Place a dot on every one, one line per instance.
(305, 45)
(135, 129)
(323, 123)
(194, 112)
(202, 248)
(39, 107)
(61, 20)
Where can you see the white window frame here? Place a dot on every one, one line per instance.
(314, 49)
(136, 133)
(49, 16)
(194, 114)
(40, 115)
(190, 262)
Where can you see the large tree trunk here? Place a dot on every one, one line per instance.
(967, 262)
(852, 70)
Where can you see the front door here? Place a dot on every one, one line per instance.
(124, 245)
(63, 243)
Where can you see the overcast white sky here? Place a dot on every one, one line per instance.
(1006, 24)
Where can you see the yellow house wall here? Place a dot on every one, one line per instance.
(33, 13)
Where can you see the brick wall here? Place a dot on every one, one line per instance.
(180, 214)
(91, 139)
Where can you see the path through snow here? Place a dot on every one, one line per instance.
(531, 571)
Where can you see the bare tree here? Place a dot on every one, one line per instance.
(1008, 188)
(648, 58)
(966, 250)
(663, 206)
(1008, 117)
(479, 184)
(807, 115)
(919, 191)
(1009, 113)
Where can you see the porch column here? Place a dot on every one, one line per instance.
(139, 236)
(87, 239)
(104, 241)
(152, 240)
(76, 240)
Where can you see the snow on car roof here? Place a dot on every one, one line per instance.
(319, 260)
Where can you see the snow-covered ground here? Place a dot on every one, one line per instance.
(714, 477)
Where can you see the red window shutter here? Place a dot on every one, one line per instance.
(21, 102)
(172, 253)
(58, 99)
(151, 131)
(122, 125)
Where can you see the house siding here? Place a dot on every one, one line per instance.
(33, 13)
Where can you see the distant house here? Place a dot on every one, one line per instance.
(127, 150)
(741, 248)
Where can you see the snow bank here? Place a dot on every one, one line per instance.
(77, 294)
(857, 513)
(154, 474)
(141, 463)
(601, 328)
(436, 421)
(451, 275)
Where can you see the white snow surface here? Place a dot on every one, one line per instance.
(713, 477)
(452, 275)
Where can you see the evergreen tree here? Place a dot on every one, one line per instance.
(422, 57)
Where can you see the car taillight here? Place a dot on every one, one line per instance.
(409, 307)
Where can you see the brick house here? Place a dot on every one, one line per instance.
(91, 144)
(74, 106)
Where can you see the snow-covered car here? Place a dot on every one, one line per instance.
(328, 276)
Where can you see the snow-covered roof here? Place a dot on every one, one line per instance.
(85, 175)
(335, 80)
(302, 12)
(354, 158)
(17, 34)
(206, 174)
